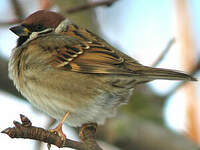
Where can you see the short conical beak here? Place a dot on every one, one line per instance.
(20, 30)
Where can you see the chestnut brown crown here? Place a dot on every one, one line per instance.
(45, 18)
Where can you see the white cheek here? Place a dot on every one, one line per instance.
(33, 35)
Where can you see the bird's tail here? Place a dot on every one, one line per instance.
(165, 74)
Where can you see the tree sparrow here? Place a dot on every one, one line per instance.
(66, 70)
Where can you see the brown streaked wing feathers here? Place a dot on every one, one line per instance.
(85, 52)
(90, 59)
(98, 56)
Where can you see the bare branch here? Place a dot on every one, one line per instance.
(27, 131)
(51, 121)
(91, 5)
(165, 51)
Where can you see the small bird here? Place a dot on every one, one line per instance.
(66, 70)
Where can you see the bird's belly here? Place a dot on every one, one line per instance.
(96, 109)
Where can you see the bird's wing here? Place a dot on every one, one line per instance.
(82, 54)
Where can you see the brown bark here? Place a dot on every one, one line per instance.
(27, 131)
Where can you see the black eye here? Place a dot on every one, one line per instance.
(39, 27)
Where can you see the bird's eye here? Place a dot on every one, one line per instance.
(39, 27)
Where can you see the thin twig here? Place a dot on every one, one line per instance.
(27, 131)
(165, 51)
(91, 5)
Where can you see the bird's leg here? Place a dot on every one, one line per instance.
(58, 128)
(86, 126)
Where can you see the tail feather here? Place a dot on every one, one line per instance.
(166, 74)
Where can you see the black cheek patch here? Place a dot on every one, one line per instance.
(21, 40)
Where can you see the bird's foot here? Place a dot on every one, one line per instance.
(84, 126)
(58, 130)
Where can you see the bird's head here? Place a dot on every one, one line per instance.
(41, 21)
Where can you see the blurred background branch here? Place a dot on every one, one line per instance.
(6, 84)
(18, 12)
(188, 61)
(164, 52)
(90, 5)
